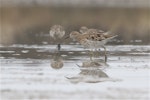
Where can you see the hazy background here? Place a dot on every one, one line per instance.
(29, 21)
(32, 69)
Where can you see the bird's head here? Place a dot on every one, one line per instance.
(83, 29)
(74, 35)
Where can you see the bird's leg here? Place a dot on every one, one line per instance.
(92, 51)
(105, 54)
(97, 52)
(91, 55)
(89, 52)
(58, 47)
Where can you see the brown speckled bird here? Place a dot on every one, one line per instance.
(92, 40)
(57, 32)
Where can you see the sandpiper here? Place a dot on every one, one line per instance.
(92, 40)
(85, 30)
(57, 32)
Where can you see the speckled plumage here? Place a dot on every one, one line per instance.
(92, 40)
(57, 32)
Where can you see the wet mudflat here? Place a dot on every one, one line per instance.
(31, 72)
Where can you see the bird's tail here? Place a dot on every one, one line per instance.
(111, 37)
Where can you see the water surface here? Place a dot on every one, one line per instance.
(32, 72)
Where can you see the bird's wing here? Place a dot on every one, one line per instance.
(94, 37)
(99, 37)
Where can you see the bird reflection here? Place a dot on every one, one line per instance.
(57, 61)
(93, 64)
(90, 74)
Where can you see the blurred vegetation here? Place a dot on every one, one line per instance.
(23, 24)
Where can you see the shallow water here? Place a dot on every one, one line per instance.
(40, 72)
